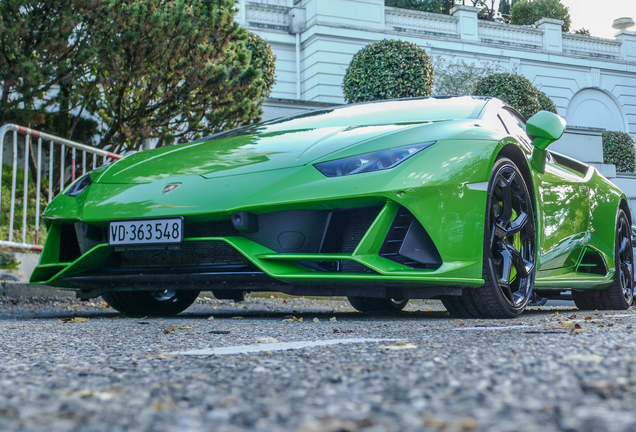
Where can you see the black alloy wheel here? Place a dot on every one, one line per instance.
(376, 304)
(509, 250)
(620, 295)
(153, 303)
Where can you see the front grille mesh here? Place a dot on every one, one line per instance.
(199, 254)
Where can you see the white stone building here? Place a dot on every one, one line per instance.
(591, 80)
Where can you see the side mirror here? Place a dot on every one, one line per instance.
(544, 128)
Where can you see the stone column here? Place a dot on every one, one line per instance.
(468, 28)
(552, 34)
(628, 46)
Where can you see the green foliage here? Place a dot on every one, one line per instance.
(457, 77)
(582, 31)
(5, 208)
(527, 12)
(388, 69)
(8, 262)
(435, 6)
(618, 149)
(43, 44)
(516, 90)
(173, 71)
(263, 59)
(545, 102)
(148, 69)
(505, 6)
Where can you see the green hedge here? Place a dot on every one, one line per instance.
(527, 12)
(435, 6)
(263, 59)
(545, 102)
(388, 69)
(618, 149)
(516, 90)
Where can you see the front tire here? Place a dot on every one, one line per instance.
(374, 304)
(620, 295)
(509, 250)
(155, 303)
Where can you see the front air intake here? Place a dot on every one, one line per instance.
(408, 243)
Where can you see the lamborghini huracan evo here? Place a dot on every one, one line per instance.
(453, 198)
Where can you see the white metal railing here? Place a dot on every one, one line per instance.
(54, 143)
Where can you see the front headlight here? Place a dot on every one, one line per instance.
(368, 162)
(80, 184)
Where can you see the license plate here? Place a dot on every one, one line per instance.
(143, 232)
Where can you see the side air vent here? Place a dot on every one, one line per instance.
(592, 262)
(408, 243)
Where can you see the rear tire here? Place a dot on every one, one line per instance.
(374, 304)
(620, 295)
(155, 303)
(509, 250)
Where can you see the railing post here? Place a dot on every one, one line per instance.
(552, 34)
(468, 22)
(628, 44)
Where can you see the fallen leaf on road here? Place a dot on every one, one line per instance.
(333, 319)
(167, 331)
(587, 317)
(266, 340)
(399, 346)
(74, 320)
(316, 320)
(211, 318)
(342, 331)
(566, 324)
(181, 328)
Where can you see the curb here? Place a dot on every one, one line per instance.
(13, 289)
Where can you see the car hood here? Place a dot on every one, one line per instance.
(261, 148)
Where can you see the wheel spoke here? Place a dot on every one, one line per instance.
(624, 246)
(524, 268)
(627, 270)
(518, 224)
(506, 268)
(506, 191)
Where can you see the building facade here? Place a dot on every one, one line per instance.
(591, 80)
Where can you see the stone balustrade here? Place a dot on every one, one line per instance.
(591, 46)
(268, 16)
(506, 34)
(403, 20)
(273, 15)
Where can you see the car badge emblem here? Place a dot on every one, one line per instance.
(170, 187)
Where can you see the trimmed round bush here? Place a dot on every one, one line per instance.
(516, 90)
(545, 102)
(618, 149)
(435, 6)
(263, 59)
(388, 69)
(528, 12)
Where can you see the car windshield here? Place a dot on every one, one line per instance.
(385, 112)
(415, 110)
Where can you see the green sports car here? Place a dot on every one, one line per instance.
(452, 198)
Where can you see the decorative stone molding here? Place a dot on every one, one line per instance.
(589, 46)
(404, 20)
(506, 34)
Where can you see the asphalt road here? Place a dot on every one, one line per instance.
(79, 366)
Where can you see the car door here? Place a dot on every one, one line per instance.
(563, 210)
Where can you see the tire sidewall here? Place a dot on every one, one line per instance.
(488, 256)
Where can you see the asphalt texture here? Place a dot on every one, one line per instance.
(67, 365)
